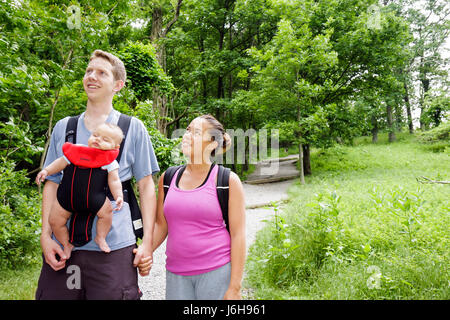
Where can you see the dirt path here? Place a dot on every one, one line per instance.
(256, 197)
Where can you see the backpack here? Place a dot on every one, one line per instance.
(222, 188)
(127, 187)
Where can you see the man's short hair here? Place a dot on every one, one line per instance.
(118, 68)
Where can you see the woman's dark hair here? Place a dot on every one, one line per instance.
(218, 134)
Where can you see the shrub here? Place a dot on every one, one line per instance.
(19, 217)
(436, 139)
(295, 251)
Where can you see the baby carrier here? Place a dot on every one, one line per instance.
(80, 224)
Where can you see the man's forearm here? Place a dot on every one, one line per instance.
(48, 198)
(148, 207)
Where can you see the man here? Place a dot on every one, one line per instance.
(89, 273)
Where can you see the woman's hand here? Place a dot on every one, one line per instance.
(232, 294)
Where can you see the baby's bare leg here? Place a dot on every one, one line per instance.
(104, 225)
(58, 218)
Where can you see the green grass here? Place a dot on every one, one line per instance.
(20, 283)
(361, 227)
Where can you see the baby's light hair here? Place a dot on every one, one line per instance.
(118, 134)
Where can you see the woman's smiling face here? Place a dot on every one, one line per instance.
(197, 141)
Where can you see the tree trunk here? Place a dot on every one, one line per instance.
(302, 171)
(408, 108)
(425, 87)
(398, 117)
(220, 82)
(306, 159)
(159, 103)
(374, 129)
(157, 32)
(390, 122)
(300, 145)
(300, 151)
(52, 111)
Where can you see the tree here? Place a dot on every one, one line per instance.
(323, 56)
(158, 34)
(431, 27)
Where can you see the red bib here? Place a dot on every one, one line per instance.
(88, 157)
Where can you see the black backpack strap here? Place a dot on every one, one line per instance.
(135, 211)
(124, 124)
(128, 193)
(71, 129)
(168, 176)
(223, 188)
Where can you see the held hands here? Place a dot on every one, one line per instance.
(143, 260)
(42, 175)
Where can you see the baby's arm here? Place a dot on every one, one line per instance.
(115, 186)
(56, 166)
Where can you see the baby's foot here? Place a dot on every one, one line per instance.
(101, 242)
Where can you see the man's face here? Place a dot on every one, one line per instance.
(98, 81)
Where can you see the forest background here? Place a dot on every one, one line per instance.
(322, 73)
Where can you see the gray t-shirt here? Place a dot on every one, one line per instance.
(138, 159)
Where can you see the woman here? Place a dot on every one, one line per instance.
(204, 260)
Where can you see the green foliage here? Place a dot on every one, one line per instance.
(163, 147)
(143, 70)
(436, 139)
(15, 143)
(19, 217)
(440, 133)
(288, 132)
(372, 233)
(296, 250)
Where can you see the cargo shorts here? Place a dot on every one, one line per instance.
(91, 275)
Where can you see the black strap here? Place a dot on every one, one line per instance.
(222, 188)
(223, 179)
(168, 175)
(124, 124)
(71, 129)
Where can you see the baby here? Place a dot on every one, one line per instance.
(88, 172)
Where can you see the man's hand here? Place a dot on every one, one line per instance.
(50, 248)
(143, 260)
(41, 176)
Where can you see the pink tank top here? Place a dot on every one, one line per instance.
(197, 240)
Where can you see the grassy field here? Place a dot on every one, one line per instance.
(20, 283)
(361, 227)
